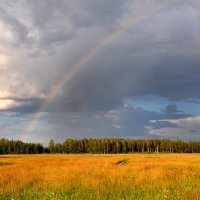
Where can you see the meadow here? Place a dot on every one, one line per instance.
(100, 176)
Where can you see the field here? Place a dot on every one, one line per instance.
(95, 177)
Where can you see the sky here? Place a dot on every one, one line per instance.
(104, 68)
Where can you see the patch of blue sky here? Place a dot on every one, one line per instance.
(157, 103)
(149, 102)
(189, 107)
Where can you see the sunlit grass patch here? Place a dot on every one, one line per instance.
(99, 177)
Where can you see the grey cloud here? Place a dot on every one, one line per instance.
(121, 122)
(171, 108)
(157, 56)
(40, 24)
(19, 30)
(150, 58)
(154, 57)
(23, 106)
(186, 128)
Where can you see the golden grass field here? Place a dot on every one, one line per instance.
(95, 177)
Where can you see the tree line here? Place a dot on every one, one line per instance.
(101, 146)
(19, 147)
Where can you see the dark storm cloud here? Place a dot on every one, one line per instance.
(104, 86)
(171, 108)
(159, 56)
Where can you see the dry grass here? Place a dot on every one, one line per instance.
(142, 176)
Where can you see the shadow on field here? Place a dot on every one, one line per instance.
(5, 163)
(121, 162)
(9, 157)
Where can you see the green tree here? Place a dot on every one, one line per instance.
(51, 146)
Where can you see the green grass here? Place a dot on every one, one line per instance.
(112, 192)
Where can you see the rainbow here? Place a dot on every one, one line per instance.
(69, 73)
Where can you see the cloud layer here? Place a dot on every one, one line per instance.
(187, 128)
(158, 57)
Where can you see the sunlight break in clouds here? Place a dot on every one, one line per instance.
(6, 104)
(3, 62)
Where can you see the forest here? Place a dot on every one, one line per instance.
(101, 146)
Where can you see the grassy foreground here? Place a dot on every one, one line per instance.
(96, 177)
